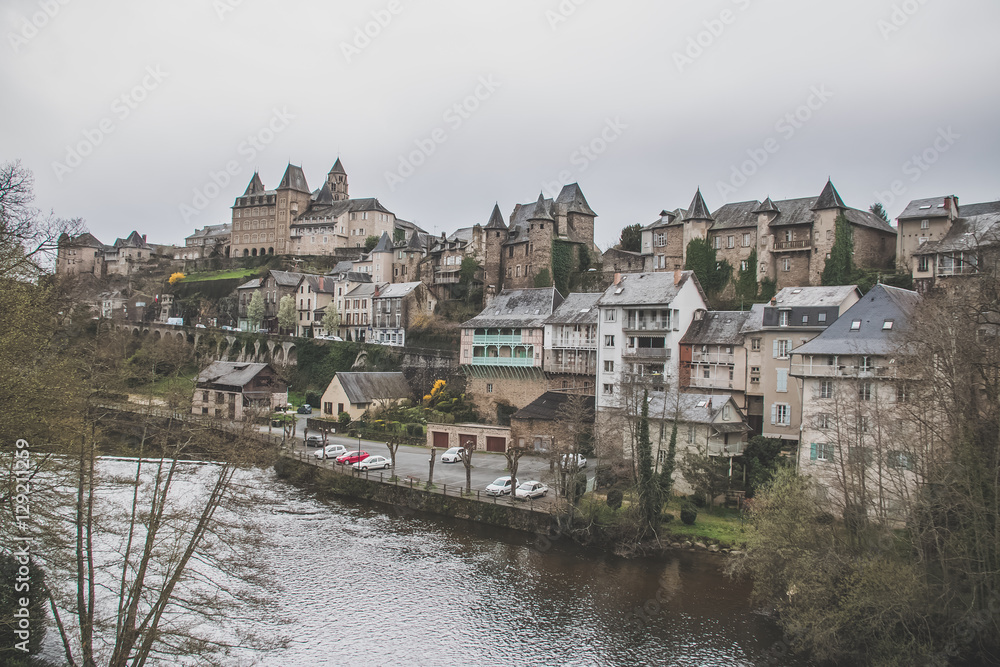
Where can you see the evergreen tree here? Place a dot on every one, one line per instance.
(370, 243)
(878, 210)
(631, 238)
(649, 488)
(712, 274)
(255, 311)
(746, 280)
(667, 471)
(839, 269)
(287, 315)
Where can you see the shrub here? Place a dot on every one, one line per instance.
(697, 500)
(689, 513)
(666, 517)
(614, 499)
(344, 419)
(314, 399)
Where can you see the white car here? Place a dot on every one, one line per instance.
(570, 460)
(453, 455)
(332, 451)
(373, 463)
(499, 487)
(530, 489)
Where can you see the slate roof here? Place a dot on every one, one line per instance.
(365, 289)
(638, 289)
(829, 198)
(294, 179)
(397, 290)
(84, 240)
(832, 295)
(496, 219)
(230, 373)
(795, 211)
(697, 210)
(549, 407)
(250, 284)
(571, 200)
(694, 409)
(541, 211)
(369, 387)
(522, 308)
(337, 168)
(577, 308)
(519, 220)
(324, 211)
(673, 218)
(755, 320)
(415, 242)
(738, 214)
(321, 284)
(880, 304)
(133, 240)
(255, 187)
(915, 209)
(965, 234)
(979, 209)
(766, 206)
(287, 278)
(717, 327)
(213, 230)
(384, 244)
(324, 197)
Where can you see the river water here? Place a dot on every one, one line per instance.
(366, 586)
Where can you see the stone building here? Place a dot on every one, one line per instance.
(231, 390)
(396, 307)
(945, 243)
(713, 359)
(84, 254)
(210, 241)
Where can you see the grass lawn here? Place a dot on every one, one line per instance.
(723, 526)
(219, 275)
(183, 385)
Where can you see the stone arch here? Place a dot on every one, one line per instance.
(156, 334)
(263, 251)
(246, 252)
(253, 253)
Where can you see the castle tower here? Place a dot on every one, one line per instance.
(293, 198)
(337, 178)
(496, 233)
(767, 212)
(541, 230)
(827, 208)
(697, 221)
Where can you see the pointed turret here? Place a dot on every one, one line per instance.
(541, 211)
(767, 206)
(384, 244)
(829, 198)
(496, 219)
(256, 186)
(337, 168)
(294, 179)
(698, 210)
(325, 196)
(571, 196)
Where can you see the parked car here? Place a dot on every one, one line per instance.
(372, 463)
(334, 338)
(530, 489)
(332, 451)
(305, 410)
(499, 487)
(200, 326)
(352, 457)
(228, 328)
(314, 441)
(453, 455)
(571, 460)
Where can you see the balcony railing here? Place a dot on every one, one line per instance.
(722, 449)
(711, 383)
(646, 325)
(792, 245)
(576, 369)
(958, 270)
(578, 342)
(844, 370)
(646, 353)
(713, 358)
(496, 340)
(503, 361)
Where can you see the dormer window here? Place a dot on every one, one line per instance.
(783, 318)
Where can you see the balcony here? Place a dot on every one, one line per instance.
(716, 448)
(496, 339)
(503, 361)
(657, 353)
(713, 358)
(957, 270)
(792, 245)
(573, 369)
(575, 342)
(632, 324)
(711, 383)
(844, 370)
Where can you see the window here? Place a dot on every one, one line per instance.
(781, 414)
(609, 341)
(923, 264)
(898, 459)
(821, 451)
(731, 242)
(609, 315)
(717, 242)
(856, 325)
(609, 367)
(902, 393)
(865, 365)
(489, 388)
(821, 317)
(782, 348)
(727, 412)
(887, 325)
(746, 240)
(744, 264)
(925, 224)
(609, 389)
(783, 318)
(788, 236)
(786, 264)
(782, 385)
(691, 434)
(826, 389)
(755, 344)
(865, 391)
(755, 374)
(824, 421)
(863, 424)
(707, 372)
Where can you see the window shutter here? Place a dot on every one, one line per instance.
(774, 351)
(774, 412)
(812, 452)
(782, 380)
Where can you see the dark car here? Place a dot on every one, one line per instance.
(314, 441)
(305, 410)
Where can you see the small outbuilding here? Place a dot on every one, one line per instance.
(234, 390)
(356, 393)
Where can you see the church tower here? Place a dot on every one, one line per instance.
(337, 178)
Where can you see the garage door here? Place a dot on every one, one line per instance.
(496, 444)
(467, 441)
(440, 439)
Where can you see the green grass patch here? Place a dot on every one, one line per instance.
(230, 274)
(183, 385)
(719, 525)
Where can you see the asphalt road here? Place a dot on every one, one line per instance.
(414, 461)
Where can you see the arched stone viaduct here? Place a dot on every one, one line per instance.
(223, 345)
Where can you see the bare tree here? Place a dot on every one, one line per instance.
(392, 443)
(515, 450)
(468, 447)
(430, 471)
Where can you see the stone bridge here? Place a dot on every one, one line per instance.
(225, 345)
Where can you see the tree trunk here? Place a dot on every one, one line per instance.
(430, 472)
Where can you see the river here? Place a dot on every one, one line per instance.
(365, 586)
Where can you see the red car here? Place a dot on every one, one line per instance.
(352, 457)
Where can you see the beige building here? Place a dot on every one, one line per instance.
(713, 357)
(570, 345)
(210, 241)
(357, 393)
(80, 254)
(772, 331)
(954, 248)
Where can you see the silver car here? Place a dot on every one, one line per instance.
(453, 455)
(373, 463)
(532, 489)
(499, 487)
(332, 451)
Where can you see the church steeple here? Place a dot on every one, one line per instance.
(337, 178)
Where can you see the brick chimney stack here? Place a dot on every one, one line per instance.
(618, 278)
(677, 276)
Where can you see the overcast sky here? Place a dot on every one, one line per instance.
(124, 110)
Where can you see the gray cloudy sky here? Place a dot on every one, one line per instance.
(130, 113)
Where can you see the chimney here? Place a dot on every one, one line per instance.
(677, 276)
(618, 278)
(144, 239)
(951, 205)
(774, 301)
